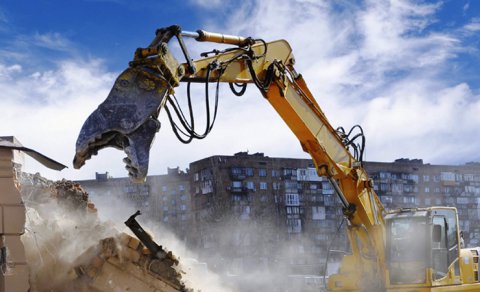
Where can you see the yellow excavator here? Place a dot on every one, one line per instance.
(415, 249)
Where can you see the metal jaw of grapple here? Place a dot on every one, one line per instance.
(126, 120)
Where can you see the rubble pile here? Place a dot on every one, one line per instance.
(68, 248)
(72, 195)
(125, 253)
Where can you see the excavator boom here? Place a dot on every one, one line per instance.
(127, 120)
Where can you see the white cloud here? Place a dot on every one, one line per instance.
(45, 110)
(208, 4)
(53, 41)
(8, 71)
(473, 25)
(373, 64)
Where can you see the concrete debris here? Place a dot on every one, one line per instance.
(116, 256)
(68, 248)
(72, 195)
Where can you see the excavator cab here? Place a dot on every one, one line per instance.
(422, 246)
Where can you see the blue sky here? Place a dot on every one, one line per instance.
(407, 71)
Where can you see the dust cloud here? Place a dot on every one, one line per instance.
(217, 270)
(59, 230)
(195, 274)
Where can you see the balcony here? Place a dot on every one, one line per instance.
(237, 176)
(238, 190)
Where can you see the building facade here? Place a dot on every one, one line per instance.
(251, 212)
(162, 198)
(411, 183)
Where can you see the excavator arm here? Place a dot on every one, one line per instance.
(127, 120)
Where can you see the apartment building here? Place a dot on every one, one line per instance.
(411, 183)
(250, 212)
(278, 207)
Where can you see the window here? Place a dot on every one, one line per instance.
(274, 172)
(427, 189)
(290, 172)
(292, 199)
(181, 188)
(384, 175)
(250, 185)
(262, 172)
(249, 171)
(409, 200)
(447, 176)
(318, 213)
(293, 210)
(426, 178)
(276, 186)
(294, 225)
(164, 188)
(183, 207)
(413, 177)
(236, 184)
(236, 170)
(406, 243)
(263, 185)
(386, 200)
(291, 185)
(384, 187)
(396, 188)
(451, 233)
(327, 188)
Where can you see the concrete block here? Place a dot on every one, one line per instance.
(15, 278)
(13, 219)
(133, 243)
(6, 154)
(6, 172)
(15, 249)
(9, 194)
